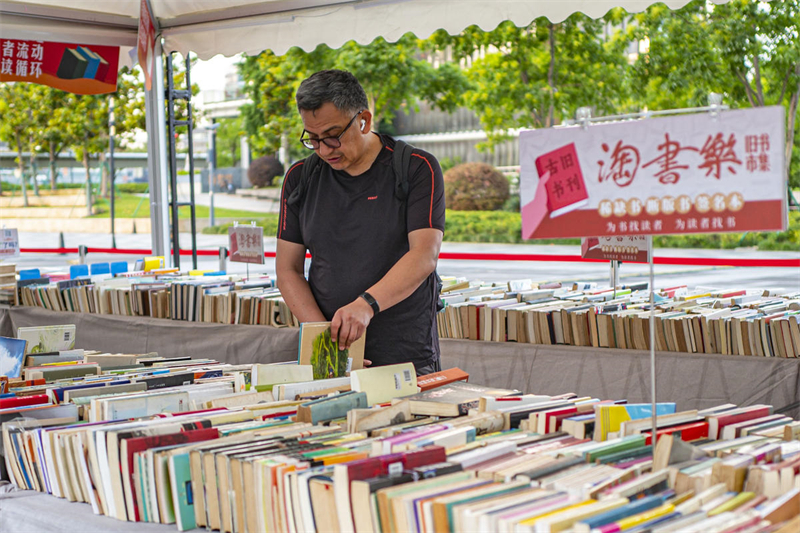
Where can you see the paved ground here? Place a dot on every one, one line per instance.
(666, 275)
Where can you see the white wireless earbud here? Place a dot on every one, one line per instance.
(363, 124)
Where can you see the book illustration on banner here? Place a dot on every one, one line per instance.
(43, 339)
(318, 350)
(12, 353)
(81, 62)
(566, 189)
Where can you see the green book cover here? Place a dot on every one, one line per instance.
(627, 443)
(182, 497)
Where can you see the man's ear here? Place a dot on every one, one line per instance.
(366, 121)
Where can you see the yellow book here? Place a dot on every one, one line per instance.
(531, 521)
(696, 296)
(198, 272)
(152, 263)
(641, 518)
(735, 502)
(566, 519)
(385, 383)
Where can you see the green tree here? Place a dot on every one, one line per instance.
(229, 134)
(746, 50)
(393, 75)
(16, 123)
(538, 75)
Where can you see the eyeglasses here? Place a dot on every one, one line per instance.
(330, 142)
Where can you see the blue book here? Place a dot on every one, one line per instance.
(92, 62)
(615, 515)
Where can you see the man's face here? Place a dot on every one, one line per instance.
(328, 121)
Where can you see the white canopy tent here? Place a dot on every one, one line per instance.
(228, 27)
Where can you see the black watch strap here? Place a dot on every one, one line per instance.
(373, 303)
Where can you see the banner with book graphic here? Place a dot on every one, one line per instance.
(75, 68)
(620, 248)
(699, 173)
(246, 244)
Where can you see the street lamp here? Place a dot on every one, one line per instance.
(211, 155)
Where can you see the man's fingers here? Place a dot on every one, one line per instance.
(345, 336)
(336, 323)
(367, 362)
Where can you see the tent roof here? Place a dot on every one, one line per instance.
(228, 27)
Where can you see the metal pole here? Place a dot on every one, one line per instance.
(82, 251)
(190, 155)
(212, 165)
(652, 345)
(112, 131)
(223, 259)
(173, 164)
(156, 157)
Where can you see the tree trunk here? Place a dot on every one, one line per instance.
(551, 78)
(21, 163)
(283, 153)
(53, 175)
(105, 177)
(793, 103)
(88, 182)
(34, 173)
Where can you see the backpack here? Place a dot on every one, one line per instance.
(401, 161)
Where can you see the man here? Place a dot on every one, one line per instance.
(373, 254)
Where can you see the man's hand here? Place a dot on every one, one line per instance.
(350, 322)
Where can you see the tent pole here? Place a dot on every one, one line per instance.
(157, 158)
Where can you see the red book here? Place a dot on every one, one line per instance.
(438, 379)
(371, 467)
(26, 383)
(543, 419)
(566, 190)
(717, 423)
(21, 401)
(689, 432)
(138, 444)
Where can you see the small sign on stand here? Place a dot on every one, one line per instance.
(9, 244)
(246, 244)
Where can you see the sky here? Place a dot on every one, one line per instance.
(210, 75)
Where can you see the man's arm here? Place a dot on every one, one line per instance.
(351, 321)
(290, 260)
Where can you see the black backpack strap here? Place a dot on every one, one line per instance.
(310, 166)
(401, 162)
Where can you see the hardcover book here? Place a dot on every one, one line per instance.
(12, 353)
(43, 339)
(455, 399)
(318, 350)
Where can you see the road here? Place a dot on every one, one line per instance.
(539, 271)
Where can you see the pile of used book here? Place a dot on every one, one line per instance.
(267, 448)
(760, 322)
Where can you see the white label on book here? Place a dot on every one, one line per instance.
(407, 375)
(395, 469)
(349, 364)
(397, 382)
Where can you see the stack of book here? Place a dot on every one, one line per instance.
(382, 450)
(223, 299)
(8, 278)
(759, 322)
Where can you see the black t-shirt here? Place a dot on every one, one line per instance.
(356, 230)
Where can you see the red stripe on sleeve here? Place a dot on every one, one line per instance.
(282, 224)
(430, 212)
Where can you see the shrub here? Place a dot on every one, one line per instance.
(133, 188)
(263, 171)
(475, 187)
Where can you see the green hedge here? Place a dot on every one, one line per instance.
(506, 227)
(133, 188)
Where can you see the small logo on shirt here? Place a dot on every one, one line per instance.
(372, 198)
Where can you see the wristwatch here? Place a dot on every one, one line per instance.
(373, 303)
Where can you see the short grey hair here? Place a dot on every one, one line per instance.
(338, 87)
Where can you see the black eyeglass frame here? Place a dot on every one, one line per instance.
(334, 141)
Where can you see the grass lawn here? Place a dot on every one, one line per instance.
(133, 206)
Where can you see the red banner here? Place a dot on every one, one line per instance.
(147, 39)
(75, 68)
